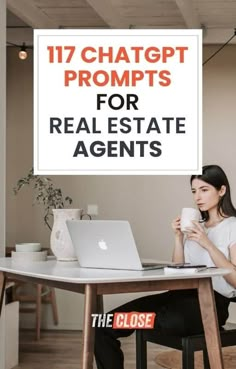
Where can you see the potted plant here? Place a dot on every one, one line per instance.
(54, 203)
(45, 193)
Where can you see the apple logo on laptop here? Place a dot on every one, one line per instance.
(102, 244)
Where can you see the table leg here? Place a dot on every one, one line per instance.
(2, 289)
(90, 307)
(39, 289)
(209, 319)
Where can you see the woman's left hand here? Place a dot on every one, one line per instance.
(198, 234)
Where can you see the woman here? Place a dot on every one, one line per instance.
(213, 244)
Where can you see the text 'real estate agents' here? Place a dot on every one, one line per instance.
(117, 101)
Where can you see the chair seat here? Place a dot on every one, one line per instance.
(188, 345)
(228, 338)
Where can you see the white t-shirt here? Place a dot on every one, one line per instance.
(223, 236)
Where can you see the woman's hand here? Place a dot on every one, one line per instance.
(176, 227)
(178, 252)
(198, 234)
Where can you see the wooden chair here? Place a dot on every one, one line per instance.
(42, 295)
(188, 345)
(38, 295)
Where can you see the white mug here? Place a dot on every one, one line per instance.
(187, 216)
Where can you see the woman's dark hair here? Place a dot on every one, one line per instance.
(215, 176)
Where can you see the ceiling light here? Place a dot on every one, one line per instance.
(23, 53)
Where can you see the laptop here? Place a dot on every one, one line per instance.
(107, 244)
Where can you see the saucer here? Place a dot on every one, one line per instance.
(29, 256)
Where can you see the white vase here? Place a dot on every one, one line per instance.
(60, 240)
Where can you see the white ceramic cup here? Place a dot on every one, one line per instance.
(187, 216)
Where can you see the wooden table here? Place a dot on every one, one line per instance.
(94, 283)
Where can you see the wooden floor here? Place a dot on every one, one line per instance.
(62, 350)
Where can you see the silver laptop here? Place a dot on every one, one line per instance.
(106, 244)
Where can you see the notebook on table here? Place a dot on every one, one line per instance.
(107, 244)
(184, 268)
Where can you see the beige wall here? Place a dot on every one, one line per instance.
(148, 202)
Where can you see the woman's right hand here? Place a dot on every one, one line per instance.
(176, 227)
(178, 252)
